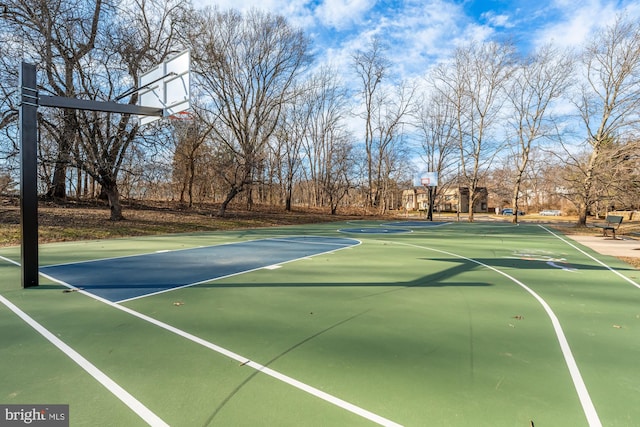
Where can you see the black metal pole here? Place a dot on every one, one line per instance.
(430, 191)
(29, 175)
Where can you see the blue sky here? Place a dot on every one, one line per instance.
(418, 33)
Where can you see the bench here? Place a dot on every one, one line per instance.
(612, 223)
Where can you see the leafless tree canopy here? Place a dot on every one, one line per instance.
(609, 100)
(269, 126)
(247, 65)
(535, 85)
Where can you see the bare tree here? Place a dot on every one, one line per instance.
(60, 33)
(246, 65)
(190, 134)
(609, 99)
(9, 150)
(391, 153)
(141, 36)
(91, 50)
(437, 127)
(618, 170)
(536, 84)
(371, 67)
(326, 143)
(474, 83)
(289, 139)
(336, 179)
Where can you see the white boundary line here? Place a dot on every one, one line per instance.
(421, 227)
(367, 230)
(578, 382)
(592, 257)
(199, 247)
(244, 361)
(213, 279)
(232, 355)
(10, 261)
(134, 404)
(290, 240)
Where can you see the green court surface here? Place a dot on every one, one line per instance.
(457, 325)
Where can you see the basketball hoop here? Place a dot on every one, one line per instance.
(181, 121)
(181, 117)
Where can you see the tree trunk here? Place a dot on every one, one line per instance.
(514, 199)
(582, 214)
(587, 184)
(287, 201)
(230, 195)
(472, 195)
(250, 198)
(113, 197)
(192, 177)
(58, 188)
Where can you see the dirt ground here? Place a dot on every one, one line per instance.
(81, 220)
(73, 220)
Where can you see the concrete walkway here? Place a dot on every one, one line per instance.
(621, 247)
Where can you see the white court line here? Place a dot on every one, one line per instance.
(291, 239)
(164, 251)
(10, 261)
(578, 382)
(213, 279)
(243, 360)
(134, 404)
(592, 257)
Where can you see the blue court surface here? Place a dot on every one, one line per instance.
(393, 227)
(374, 230)
(125, 278)
(414, 224)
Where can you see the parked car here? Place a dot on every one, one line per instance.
(550, 212)
(509, 211)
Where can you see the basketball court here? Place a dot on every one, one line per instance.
(370, 323)
(484, 324)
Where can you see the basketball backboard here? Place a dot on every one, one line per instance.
(166, 86)
(426, 179)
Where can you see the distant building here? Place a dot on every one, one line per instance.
(448, 201)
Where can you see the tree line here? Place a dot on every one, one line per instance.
(271, 125)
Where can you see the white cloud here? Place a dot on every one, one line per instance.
(498, 19)
(576, 21)
(418, 33)
(341, 14)
(414, 35)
